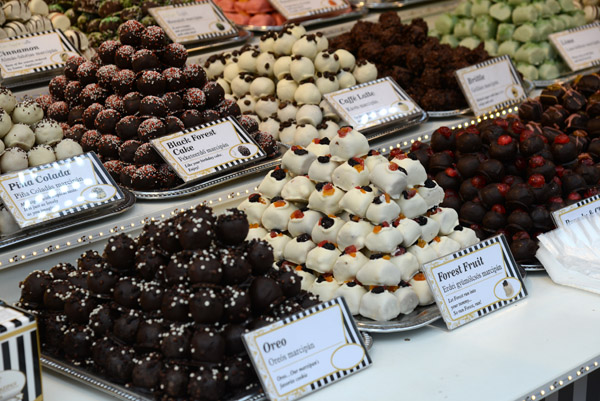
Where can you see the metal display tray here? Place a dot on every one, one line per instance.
(242, 37)
(356, 12)
(386, 5)
(421, 316)
(84, 218)
(570, 76)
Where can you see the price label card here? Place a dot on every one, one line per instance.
(579, 47)
(373, 104)
(193, 22)
(586, 207)
(475, 281)
(209, 149)
(304, 9)
(307, 351)
(34, 53)
(492, 85)
(58, 189)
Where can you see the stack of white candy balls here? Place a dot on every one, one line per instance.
(281, 83)
(353, 224)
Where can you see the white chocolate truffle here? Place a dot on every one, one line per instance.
(352, 294)
(67, 148)
(20, 135)
(273, 183)
(266, 106)
(298, 189)
(286, 89)
(322, 258)
(8, 224)
(283, 44)
(423, 252)
(2, 147)
(307, 279)
(318, 147)
(322, 169)
(348, 264)
(41, 154)
(5, 123)
(327, 82)
(13, 159)
(328, 111)
(383, 208)
(444, 246)
(214, 67)
(348, 143)
(354, 233)
(287, 130)
(254, 206)
(303, 221)
(304, 135)
(379, 305)
(265, 64)
(406, 263)
(277, 215)
(78, 38)
(326, 198)
(322, 42)
(247, 60)
(270, 126)
(60, 21)
(364, 72)
(346, 59)
(241, 84)
(282, 67)
(301, 68)
(296, 29)
(357, 200)
(15, 28)
(296, 250)
(325, 288)
(374, 158)
(429, 228)
(384, 238)
(447, 218)
(37, 23)
(305, 46)
(247, 104)
(262, 86)
(328, 129)
(421, 288)
(287, 110)
(464, 236)
(309, 114)
(412, 204)
(225, 85)
(307, 93)
(432, 193)
(389, 178)
(297, 160)
(8, 101)
(379, 271)
(3, 34)
(416, 174)
(410, 229)
(255, 232)
(346, 79)
(407, 299)
(327, 61)
(27, 112)
(16, 10)
(278, 241)
(327, 229)
(231, 71)
(47, 132)
(38, 7)
(267, 41)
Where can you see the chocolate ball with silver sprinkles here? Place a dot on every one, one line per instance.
(206, 305)
(146, 371)
(205, 268)
(151, 295)
(127, 292)
(175, 304)
(78, 306)
(101, 319)
(175, 343)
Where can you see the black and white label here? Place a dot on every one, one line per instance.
(193, 22)
(491, 85)
(568, 214)
(307, 351)
(34, 53)
(58, 189)
(475, 281)
(208, 149)
(579, 47)
(300, 9)
(373, 103)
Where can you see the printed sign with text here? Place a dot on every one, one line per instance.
(568, 214)
(300, 9)
(579, 47)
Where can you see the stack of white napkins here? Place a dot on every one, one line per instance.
(571, 255)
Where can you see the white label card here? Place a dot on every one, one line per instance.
(568, 214)
(57, 189)
(475, 281)
(492, 85)
(579, 47)
(373, 103)
(34, 53)
(307, 351)
(208, 149)
(300, 9)
(193, 22)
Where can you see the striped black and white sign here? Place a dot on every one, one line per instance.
(19, 351)
(587, 44)
(569, 214)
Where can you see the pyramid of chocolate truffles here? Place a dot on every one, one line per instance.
(163, 313)
(132, 91)
(420, 64)
(280, 83)
(356, 224)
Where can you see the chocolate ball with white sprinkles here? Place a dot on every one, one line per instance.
(153, 106)
(127, 127)
(232, 227)
(90, 113)
(120, 252)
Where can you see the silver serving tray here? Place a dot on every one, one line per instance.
(421, 316)
(570, 76)
(534, 267)
(84, 218)
(385, 5)
(394, 127)
(357, 12)
(242, 37)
